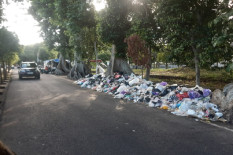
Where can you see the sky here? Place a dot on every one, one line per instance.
(23, 24)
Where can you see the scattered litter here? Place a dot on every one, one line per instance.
(177, 99)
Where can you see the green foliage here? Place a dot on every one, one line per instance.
(185, 26)
(144, 23)
(175, 27)
(13, 58)
(115, 24)
(65, 25)
(222, 26)
(9, 43)
(29, 53)
(1, 12)
(162, 57)
(37, 51)
(87, 42)
(45, 54)
(104, 55)
(230, 68)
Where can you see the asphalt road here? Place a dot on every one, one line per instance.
(53, 116)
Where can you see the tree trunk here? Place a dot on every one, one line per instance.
(157, 64)
(154, 65)
(61, 67)
(148, 66)
(121, 65)
(1, 73)
(118, 64)
(142, 71)
(79, 70)
(147, 73)
(9, 66)
(4, 70)
(112, 60)
(197, 61)
(166, 65)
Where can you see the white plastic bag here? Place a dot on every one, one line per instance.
(121, 88)
(134, 81)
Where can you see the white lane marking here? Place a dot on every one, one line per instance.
(218, 126)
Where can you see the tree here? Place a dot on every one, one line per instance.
(163, 57)
(53, 30)
(1, 12)
(104, 56)
(45, 54)
(146, 26)
(11, 59)
(9, 44)
(82, 32)
(222, 26)
(185, 26)
(138, 51)
(63, 24)
(37, 52)
(114, 27)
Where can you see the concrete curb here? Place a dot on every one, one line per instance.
(4, 88)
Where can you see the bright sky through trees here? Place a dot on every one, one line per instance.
(20, 22)
(99, 4)
(23, 24)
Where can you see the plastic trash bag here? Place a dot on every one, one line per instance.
(164, 106)
(218, 115)
(193, 94)
(206, 92)
(163, 83)
(119, 96)
(143, 86)
(149, 89)
(185, 106)
(84, 84)
(181, 96)
(151, 104)
(134, 81)
(191, 112)
(121, 88)
(160, 87)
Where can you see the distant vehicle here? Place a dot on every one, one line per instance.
(29, 69)
(49, 66)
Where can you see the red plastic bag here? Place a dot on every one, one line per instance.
(181, 96)
(117, 76)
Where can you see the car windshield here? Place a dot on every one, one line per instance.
(28, 65)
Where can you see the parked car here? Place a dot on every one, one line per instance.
(29, 69)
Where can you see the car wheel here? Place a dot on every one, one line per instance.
(20, 77)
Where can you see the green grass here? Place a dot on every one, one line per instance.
(209, 79)
(189, 73)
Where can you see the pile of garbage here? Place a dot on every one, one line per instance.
(178, 99)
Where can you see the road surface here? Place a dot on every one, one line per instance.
(53, 116)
